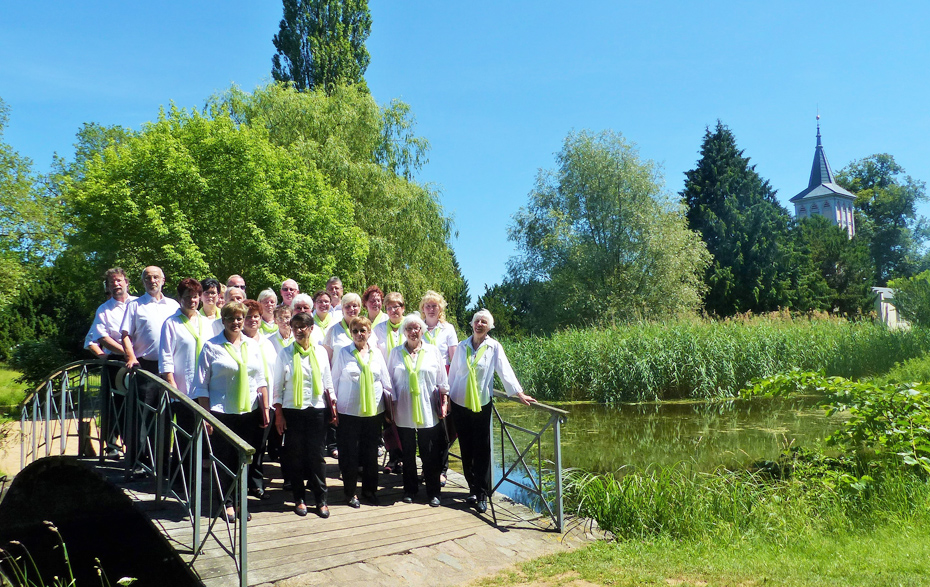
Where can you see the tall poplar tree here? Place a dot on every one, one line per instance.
(744, 226)
(321, 43)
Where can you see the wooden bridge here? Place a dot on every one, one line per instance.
(277, 544)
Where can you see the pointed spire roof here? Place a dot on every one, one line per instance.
(822, 181)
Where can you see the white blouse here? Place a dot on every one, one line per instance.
(444, 337)
(177, 353)
(217, 372)
(493, 361)
(278, 341)
(346, 376)
(432, 379)
(337, 339)
(284, 378)
(381, 332)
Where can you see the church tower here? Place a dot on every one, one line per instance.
(823, 197)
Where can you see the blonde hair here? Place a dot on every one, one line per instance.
(434, 296)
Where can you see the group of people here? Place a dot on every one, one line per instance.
(289, 375)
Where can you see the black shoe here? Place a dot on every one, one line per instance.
(259, 493)
(300, 509)
(434, 502)
(322, 510)
(370, 498)
(481, 506)
(408, 498)
(287, 486)
(353, 502)
(471, 500)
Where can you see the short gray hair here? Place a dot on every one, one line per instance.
(483, 313)
(413, 318)
(351, 297)
(267, 293)
(301, 297)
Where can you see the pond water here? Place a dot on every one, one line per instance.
(703, 434)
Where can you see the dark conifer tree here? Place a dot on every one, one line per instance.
(744, 226)
(321, 43)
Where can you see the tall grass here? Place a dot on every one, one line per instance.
(818, 497)
(702, 358)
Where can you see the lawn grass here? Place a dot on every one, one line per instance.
(11, 392)
(890, 555)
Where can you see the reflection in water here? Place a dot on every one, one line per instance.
(732, 433)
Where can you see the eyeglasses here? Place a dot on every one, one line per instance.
(359, 331)
(242, 287)
(288, 289)
(395, 307)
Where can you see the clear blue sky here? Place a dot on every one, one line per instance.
(496, 86)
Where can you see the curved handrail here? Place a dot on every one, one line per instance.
(537, 405)
(174, 392)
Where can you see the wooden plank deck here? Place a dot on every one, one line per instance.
(282, 544)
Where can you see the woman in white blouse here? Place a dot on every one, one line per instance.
(231, 384)
(388, 333)
(182, 338)
(363, 386)
(338, 335)
(418, 378)
(302, 379)
(442, 335)
(471, 378)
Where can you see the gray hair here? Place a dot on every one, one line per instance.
(301, 297)
(413, 318)
(267, 293)
(351, 297)
(483, 313)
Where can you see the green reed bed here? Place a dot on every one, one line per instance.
(819, 496)
(702, 359)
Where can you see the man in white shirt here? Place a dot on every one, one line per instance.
(141, 333)
(105, 332)
(335, 291)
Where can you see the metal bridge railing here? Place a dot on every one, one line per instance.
(161, 433)
(517, 470)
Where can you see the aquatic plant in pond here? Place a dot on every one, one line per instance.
(701, 359)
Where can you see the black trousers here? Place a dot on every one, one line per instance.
(149, 393)
(431, 442)
(111, 407)
(357, 438)
(248, 427)
(302, 452)
(474, 430)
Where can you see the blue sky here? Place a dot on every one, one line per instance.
(496, 86)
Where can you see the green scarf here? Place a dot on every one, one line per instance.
(324, 324)
(430, 337)
(198, 336)
(268, 328)
(242, 378)
(298, 380)
(391, 330)
(366, 385)
(216, 314)
(413, 378)
(472, 398)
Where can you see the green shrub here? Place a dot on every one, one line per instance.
(702, 359)
(912, 298)
(36, 359)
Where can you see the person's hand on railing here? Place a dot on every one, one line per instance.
(525, 399)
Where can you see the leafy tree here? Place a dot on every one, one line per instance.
(30, 221)
(886, 200)
(837, 272)
(321, 44)
(744, 226)
(603, 240)
(200, 196)
(343, 136)
(912, 298)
